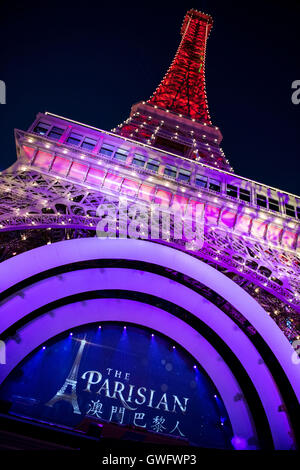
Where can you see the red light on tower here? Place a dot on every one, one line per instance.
(183, 88)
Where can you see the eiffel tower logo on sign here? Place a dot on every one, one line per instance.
(68, 390)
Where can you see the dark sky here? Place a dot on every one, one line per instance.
(91, 61)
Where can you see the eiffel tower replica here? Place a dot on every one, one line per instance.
(70, 384)
(167, 152)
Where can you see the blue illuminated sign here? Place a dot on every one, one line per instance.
(125, 375)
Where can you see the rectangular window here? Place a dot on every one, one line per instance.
(152, 165)
(170, 171)
(232, 190)
(74, 139)
(56, 133)
(298, 212)
(274, 205)
(139, 160)
(261, 200)
(201, 181)
(88, 143)
(121, 155)
(245, 195)
(214, 185)
(107, 149)
(184, 175)
(290, 210)
(42, 128)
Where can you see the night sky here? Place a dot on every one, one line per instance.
(91, 61)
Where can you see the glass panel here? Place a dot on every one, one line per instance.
(232, 190)
(121, 155)
(261, 200)
(107, 149)
(138, 160)
(74, 139)
(201, 181)
(215, 185)
(153, 165)
(245, 195)
(42, 128)
(56, 133)
(274, 205)
(290, 210)
(170, 171)
(184, 175)
(88, 144)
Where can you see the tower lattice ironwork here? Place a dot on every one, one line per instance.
(183, 88)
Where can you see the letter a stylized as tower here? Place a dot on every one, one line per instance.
(71, 381)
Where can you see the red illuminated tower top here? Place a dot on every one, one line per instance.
(176, 118)
(183, 87)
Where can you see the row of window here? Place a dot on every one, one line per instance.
(55, 133)
(152, 164)
(238, 193)
(202, 181)
(212, 184)
(79, 140)
(262, 201)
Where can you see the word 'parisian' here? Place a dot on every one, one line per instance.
(130, 395)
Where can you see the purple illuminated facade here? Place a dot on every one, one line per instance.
(233, 304)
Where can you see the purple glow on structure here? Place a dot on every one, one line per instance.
(153, 318)
(133, 249)
(19, 268)
(239, 443)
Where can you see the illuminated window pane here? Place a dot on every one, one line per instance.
(74, 139)
(121, 155)
(88, 143)
(184, 175)
(139, 160)
(245, 195)
(153, 165)
(274, 205)
(107, 149)
(215, 185)
(56, 133)
(290, 210)
(170, 171)
(42, 128)
(201, 181)
(232, 190)
(261, 200)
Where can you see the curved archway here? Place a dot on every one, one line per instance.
(47, 291)
(128, 311)
(42, 259)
